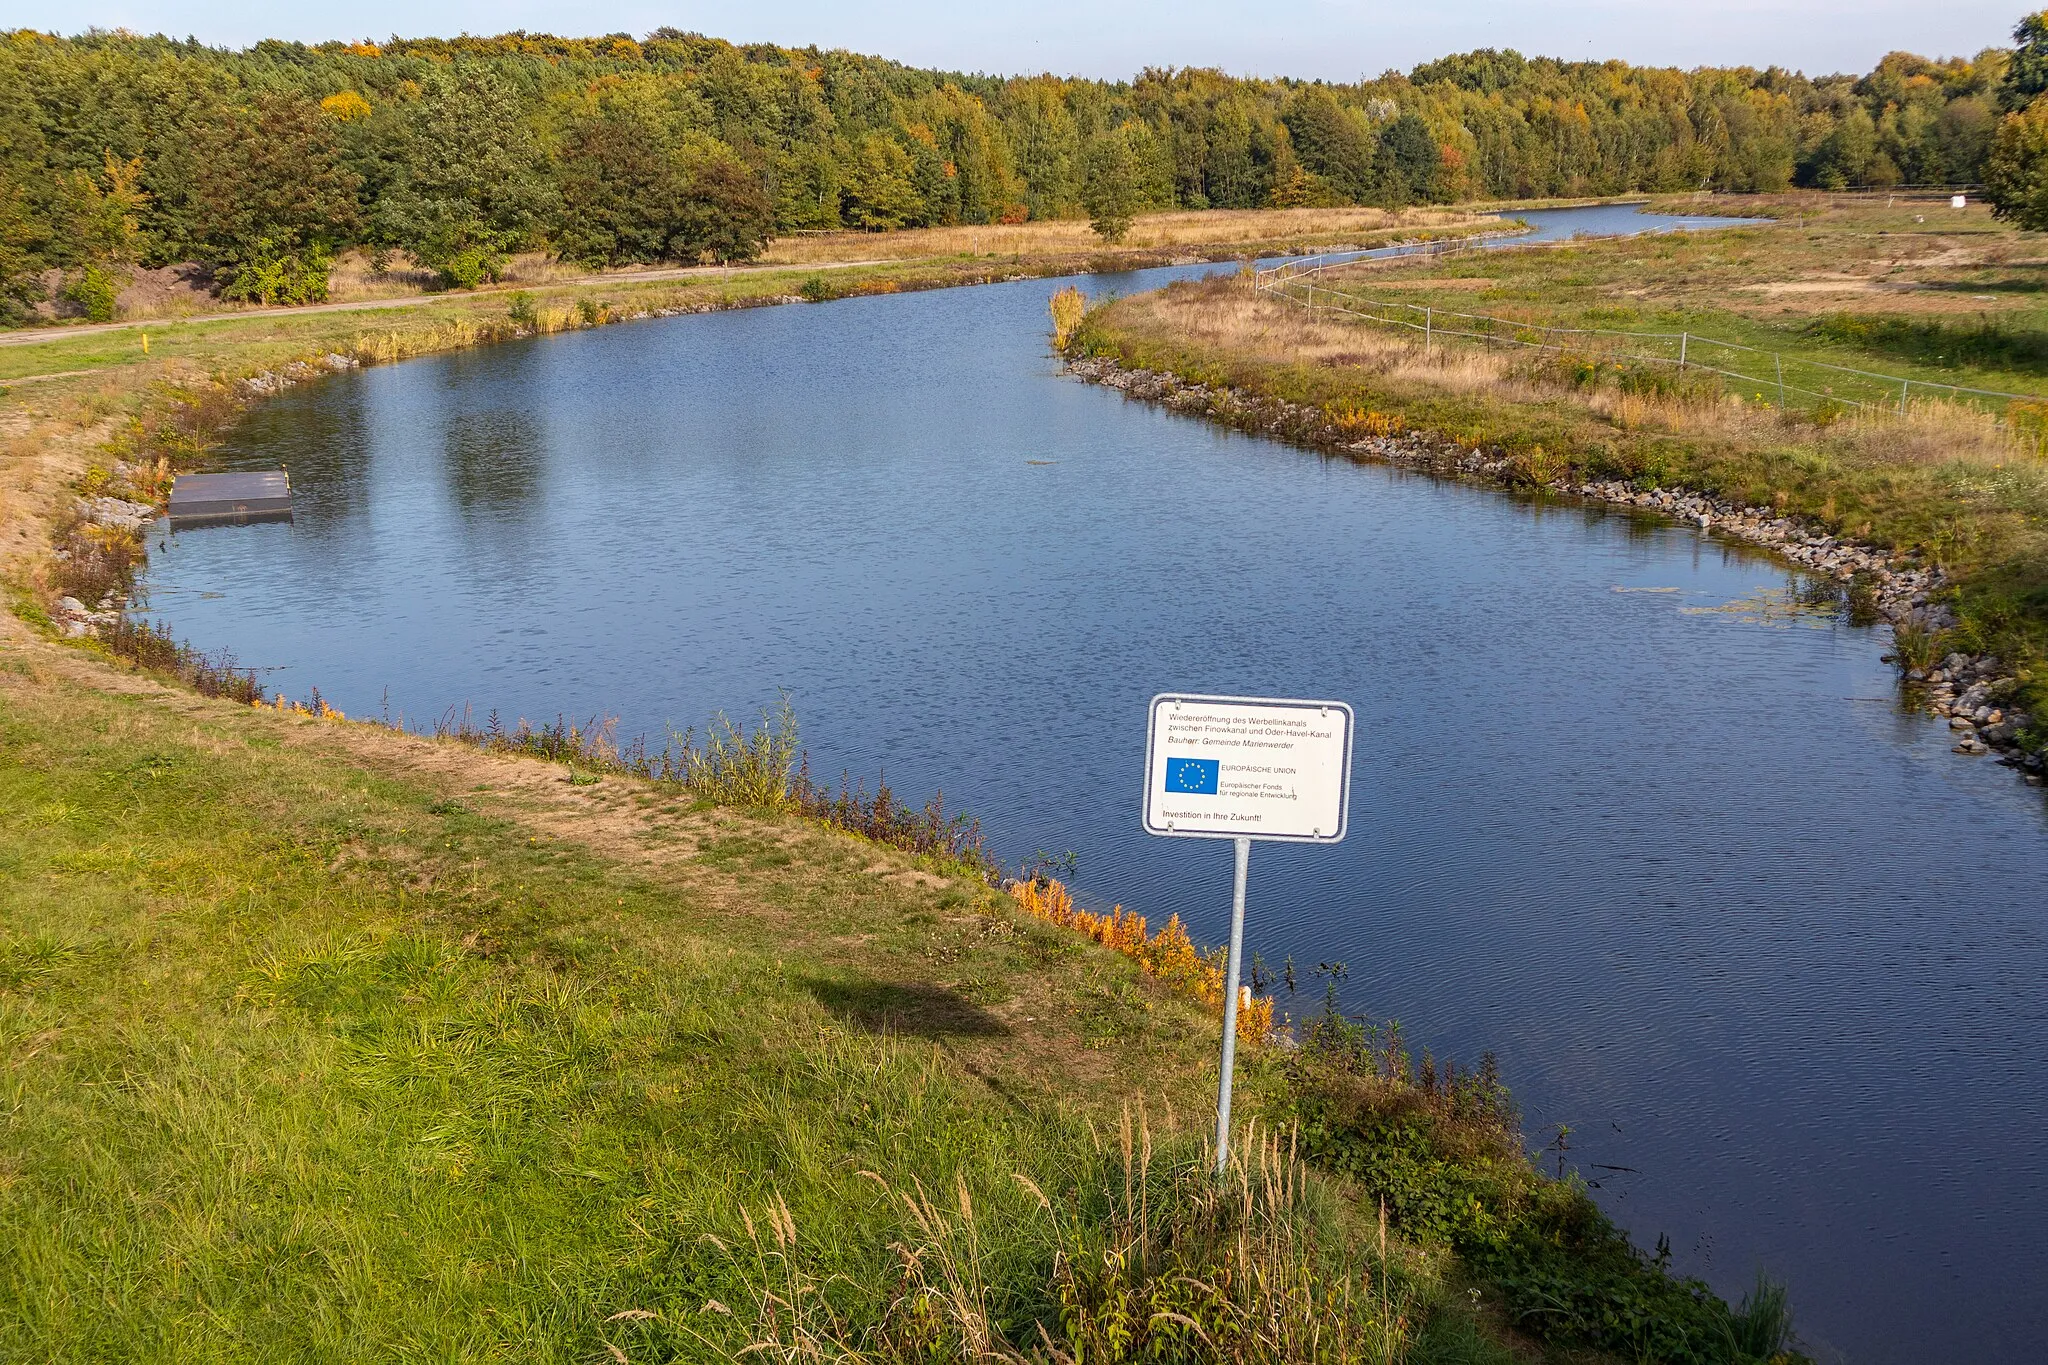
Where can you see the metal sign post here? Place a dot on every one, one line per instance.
(1245, 768)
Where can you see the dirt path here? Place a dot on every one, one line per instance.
(31, 336)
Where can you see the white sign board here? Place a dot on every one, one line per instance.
(1248, 767)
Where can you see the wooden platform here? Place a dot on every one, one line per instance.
(210, 499)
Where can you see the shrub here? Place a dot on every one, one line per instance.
(95, 289)
(524, 311)
(1069, 306)
(94, 561)
(469, 267)
(156, 650)
(1440, 1147)
(274, 274)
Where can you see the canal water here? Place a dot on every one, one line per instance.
(1624, 813)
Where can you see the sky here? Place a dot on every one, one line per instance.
(1116, 38)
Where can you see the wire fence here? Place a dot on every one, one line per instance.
(1782, 378)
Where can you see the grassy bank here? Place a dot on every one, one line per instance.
(1944, 484)
(329, 1042)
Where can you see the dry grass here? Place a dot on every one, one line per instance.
(1152, 231)
(355, 277)
(1230, 317)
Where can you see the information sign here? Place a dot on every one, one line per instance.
(1245, 768)
(1248, 767)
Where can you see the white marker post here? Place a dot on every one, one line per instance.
(1245, 768)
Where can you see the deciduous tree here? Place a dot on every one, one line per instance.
(1113, 191)
(2016, 172)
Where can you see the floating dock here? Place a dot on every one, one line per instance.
(216, 499)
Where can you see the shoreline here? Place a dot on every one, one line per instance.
(1957, 688)
(122, 508)
(1102, 259)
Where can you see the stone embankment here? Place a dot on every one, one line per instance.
(1965, 689)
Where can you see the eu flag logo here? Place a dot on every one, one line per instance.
(1193, 776)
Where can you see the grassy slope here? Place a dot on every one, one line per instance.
(1941, 484)
(315, 1050)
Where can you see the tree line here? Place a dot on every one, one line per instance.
(264, 164)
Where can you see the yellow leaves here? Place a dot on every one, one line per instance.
(316, 710)
(1169, 955)
(1353, 420)
(345, 107)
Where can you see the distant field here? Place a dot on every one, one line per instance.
(1212, 227)
(1911, 288)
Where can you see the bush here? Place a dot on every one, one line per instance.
(94, 289)
(468, 267)
(156, 650)
(525, 313)
(1441, 1150)
(272, 274)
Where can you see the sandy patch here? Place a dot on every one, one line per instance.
(1834, 286)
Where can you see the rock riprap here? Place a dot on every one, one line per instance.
(1970, 691)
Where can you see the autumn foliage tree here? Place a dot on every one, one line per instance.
(266, 164)
(1112, 192)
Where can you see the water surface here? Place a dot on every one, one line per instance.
(1770, 950)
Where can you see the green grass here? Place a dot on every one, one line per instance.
(1922, 320)
(299, 1067)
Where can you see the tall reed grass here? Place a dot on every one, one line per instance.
(155, 649)
(762, 768)
(1146, 1256)
(1069, 307)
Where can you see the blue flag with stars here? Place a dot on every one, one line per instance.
(1193, 776)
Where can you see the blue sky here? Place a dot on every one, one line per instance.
(1309, 38)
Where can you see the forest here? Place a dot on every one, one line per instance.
(262, 165)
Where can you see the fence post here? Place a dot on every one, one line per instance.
(1778, 359)
(1904, 384)
(1428, 327)
(1683, 338)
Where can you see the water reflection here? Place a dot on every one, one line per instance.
(494, 461)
